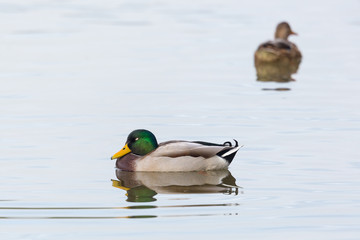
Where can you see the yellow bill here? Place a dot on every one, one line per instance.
(118, 184)
(125, 150)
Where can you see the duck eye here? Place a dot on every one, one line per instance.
(136, 139)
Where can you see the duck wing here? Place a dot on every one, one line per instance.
(277, 50)
(277, 44)
(176, 149)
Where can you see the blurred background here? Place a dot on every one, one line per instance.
(78, 76)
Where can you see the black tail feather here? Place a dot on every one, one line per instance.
(225, 152)
(228, 143)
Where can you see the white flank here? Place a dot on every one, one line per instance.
(179, 157)
(180, 164)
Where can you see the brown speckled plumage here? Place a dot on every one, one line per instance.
(277, 59)
(279, 49)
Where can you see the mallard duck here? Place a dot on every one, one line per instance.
(143, 153)
(280, 49)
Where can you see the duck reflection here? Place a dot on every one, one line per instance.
(276, 72)
(278, 59)
(143, 186)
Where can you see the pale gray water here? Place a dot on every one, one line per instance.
(78, 76)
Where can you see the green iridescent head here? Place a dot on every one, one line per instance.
(139, 142)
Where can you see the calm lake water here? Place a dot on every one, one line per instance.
(78, 76)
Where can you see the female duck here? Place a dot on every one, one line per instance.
(142, 153)
(280, 49)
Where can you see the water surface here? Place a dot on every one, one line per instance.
(77, 77)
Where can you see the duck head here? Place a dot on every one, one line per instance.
(139, 142)
(283, 31)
